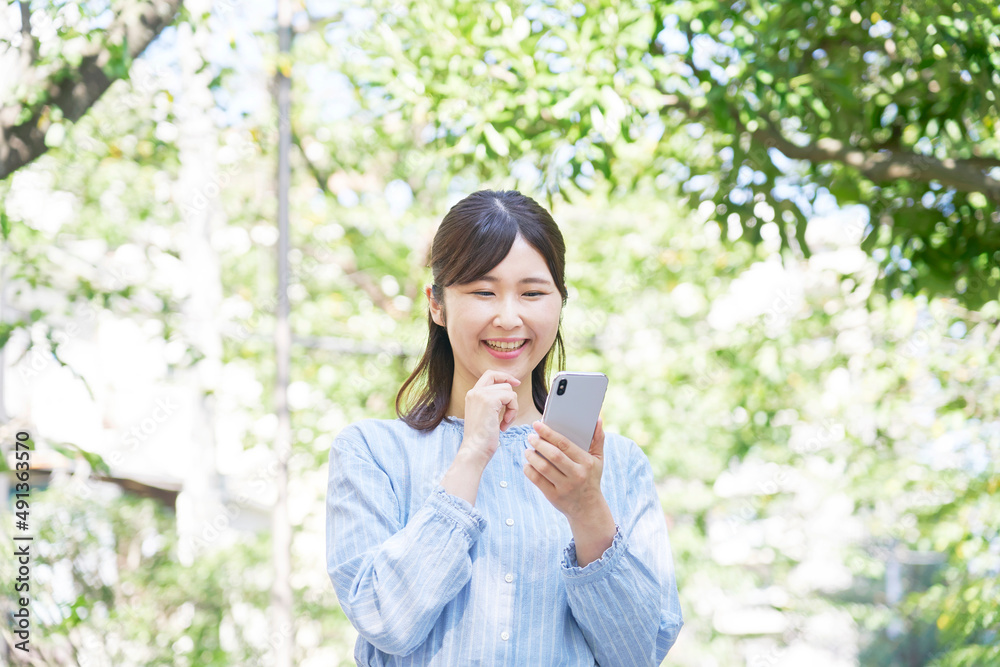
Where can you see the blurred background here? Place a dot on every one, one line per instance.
(783, 248)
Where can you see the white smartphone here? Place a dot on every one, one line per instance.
(574, 404)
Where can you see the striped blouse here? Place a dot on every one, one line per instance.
(427, 578)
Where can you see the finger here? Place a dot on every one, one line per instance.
(496, 377)
(564, 444)
(544, 467)
(552, 456)
(510, 412)
(598, 431)
(597, 444)
(539, 480)
(509, 406)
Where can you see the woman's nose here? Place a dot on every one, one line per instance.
(507, 315)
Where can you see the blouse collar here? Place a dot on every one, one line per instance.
(515, 432)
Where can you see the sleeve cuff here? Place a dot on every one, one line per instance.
(460, 512)
(574, 574)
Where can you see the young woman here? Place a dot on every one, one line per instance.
(450, 540)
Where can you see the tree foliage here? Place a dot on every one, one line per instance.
(764, 108)
(819, 437)
(891, 105)
(60, 80)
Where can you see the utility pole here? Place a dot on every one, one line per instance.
(281, 530)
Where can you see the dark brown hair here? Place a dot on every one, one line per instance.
(475, 236)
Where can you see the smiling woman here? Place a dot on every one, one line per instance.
(516, 320)
(451, 543)
(507, 287)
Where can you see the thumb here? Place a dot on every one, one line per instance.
(597, 444)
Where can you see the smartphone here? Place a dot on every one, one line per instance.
(574, 404)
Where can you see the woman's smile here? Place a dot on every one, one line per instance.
(509, 352)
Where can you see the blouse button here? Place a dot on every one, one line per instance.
(509, 578)
(503, 484)
(510, 522)
(504, 636)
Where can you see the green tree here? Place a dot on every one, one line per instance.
(107, 587)
(891, 105)
(763, 108)
(59, 82)
(827, 428)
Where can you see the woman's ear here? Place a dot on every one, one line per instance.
(437, 308)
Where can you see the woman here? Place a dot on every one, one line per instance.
(452, 542)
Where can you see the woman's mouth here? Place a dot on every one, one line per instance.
(505, 350)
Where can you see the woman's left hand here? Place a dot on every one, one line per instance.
(568, 476)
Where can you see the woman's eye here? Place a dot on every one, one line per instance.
(526, 293)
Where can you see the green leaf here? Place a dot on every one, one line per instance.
(72, 450)
(496, 141)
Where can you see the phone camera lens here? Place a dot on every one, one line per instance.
(561, 389)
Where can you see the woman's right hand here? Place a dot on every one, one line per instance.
(490, 406)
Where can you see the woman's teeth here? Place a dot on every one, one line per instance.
(506, 346)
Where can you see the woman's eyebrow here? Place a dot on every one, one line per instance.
(522, 281)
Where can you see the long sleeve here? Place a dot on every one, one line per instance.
(392, 581)
(626, 602)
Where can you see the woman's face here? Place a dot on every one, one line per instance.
(516, 301)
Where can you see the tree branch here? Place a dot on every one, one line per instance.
(29, 50)
(885, 166)
(882, 166)
(348, 266)
(20, 143)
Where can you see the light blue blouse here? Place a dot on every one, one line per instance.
(426, 578)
